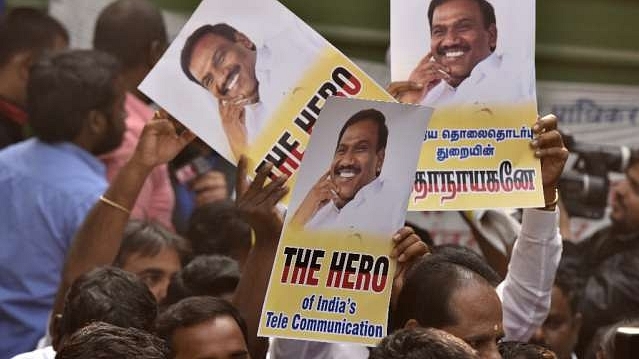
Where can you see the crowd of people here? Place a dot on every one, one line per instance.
(107, 252)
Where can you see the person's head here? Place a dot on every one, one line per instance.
(26, 34)
(468, 258)
(222, 60)
(462, 34)
(440, 294)
(625, 200)
(109, 295)
(218, 228)
(212, 275)
(153, 254)
(422, 343)
(105, 341)
(204, 327)
(77, 96)
(359, 155)
(518, 350)
(560, 330)
(133, 31)
(604, 343)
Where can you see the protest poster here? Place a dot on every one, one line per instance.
(475, 60)
(332, 276)
(249, 77)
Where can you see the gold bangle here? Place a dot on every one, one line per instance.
(115, 205)
(553, 204)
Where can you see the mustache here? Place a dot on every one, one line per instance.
(234, 71)
(442, 50)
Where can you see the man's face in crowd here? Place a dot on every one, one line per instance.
(156, 271)
(625, 201)
(356, 161)
(561, 328)
(459, 38)
(115, 122)
(226, 68)
(218, 338)
(477, 309)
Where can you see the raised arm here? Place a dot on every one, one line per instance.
(526, 291)
(98, 240)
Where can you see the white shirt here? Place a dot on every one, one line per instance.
(281, 63)
(376, 209)
(44, 353)
(496, 79)
(525, 293)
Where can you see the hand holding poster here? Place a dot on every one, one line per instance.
(473, 61)
(332, 275)
(249, 77)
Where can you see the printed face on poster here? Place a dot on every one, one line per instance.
(475, 62)
(332, 274)
(249, 77)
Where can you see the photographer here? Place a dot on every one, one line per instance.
(607, 263)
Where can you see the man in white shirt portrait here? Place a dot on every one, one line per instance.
(353, 190)
(248, 78)
(463, 65)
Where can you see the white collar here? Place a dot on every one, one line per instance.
(364, 192)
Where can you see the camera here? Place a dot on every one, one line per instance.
(585, 185)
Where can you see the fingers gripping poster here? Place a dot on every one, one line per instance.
(249, 77)
(332, 275)
(473, 61)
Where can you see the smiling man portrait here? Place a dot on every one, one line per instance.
(353, 187)
(463, 65)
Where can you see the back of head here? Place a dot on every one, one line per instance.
(105, 341)
(63, 90)
(147, 239)
(213, 275)
(427, 292)
(218, 228)
(422, 343)
(193, 311)
(109, 295)
(128, 29)
(518, 350)
(26, 29)
(468, 258)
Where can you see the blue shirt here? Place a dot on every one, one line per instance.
(46, 192)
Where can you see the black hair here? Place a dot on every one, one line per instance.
(224, 30)
(519, 350)
(218, 228)
(109, 295)
(212, 275)
(468, 258)
(63, 89)
(570, 287)
(28, 29)
(370, 114)
(428, 290)
(422, 343)
(105, 341)
(126, 29)
(196, 310)
(487, 11)
(148, 239)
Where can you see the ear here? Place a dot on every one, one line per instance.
(411, 324)
(156, 49)
(492, 39)
(244, 40)
(23, 62)
(96, 122)
(381, 154)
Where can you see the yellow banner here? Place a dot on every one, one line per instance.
(477, 157)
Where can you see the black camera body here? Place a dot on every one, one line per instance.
(584, 187)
